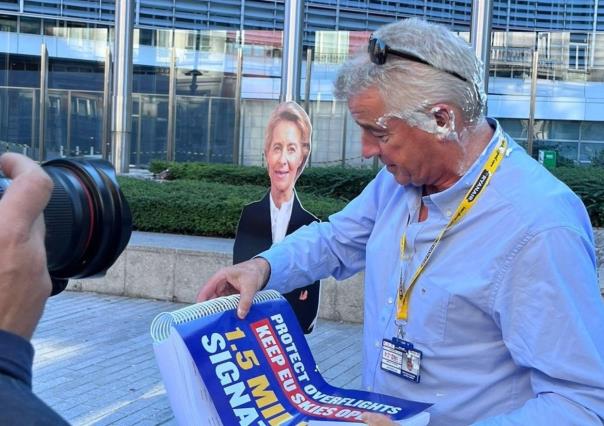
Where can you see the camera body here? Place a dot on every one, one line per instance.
(88, 220)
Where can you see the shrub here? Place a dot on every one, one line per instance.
(336, 182)
(221, 173)
(587, 183)
(201, 208)
(344, 183)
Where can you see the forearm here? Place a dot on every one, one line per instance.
(16, 357)
(335, 248)
(312, 253)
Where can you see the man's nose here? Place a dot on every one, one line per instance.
(369, 146)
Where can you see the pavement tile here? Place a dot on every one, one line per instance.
(95, 365)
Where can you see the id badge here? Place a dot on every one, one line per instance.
(399, 357)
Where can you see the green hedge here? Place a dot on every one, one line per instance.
(587, 183)
(337, 182)
(201, 208)
(343, 183)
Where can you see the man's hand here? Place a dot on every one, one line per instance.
(375, 419)
(24, 281)
(245, 278)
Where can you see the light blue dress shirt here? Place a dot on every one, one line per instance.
(507, 313)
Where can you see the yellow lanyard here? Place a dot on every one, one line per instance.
(464, 206)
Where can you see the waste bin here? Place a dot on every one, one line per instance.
(548, 158)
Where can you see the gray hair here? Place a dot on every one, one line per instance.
(405, 84)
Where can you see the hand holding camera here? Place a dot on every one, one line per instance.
(88, 225)
(24, 280)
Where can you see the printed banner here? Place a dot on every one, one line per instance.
(260, 371)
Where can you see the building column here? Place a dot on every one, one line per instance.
(480, 35)
(42, 99)
(171, 143)
(121, 123)
(291, 63)
(106, 130)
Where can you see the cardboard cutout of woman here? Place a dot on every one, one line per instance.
(266, 222)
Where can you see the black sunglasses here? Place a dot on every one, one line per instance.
(379, 51)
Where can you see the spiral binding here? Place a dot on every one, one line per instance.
(162, 324)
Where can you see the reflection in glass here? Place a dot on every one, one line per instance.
(16, 120)
(570, 84)
(30, 25)
(135, 140)
(153, 129)
(8, 23)
(334, 135)
(592, 153)
(592, 131)
(86, 124)
(150, 79)
(222, 119)
(513, 127)
(563, 55)
(193, 128)
(75, 74)
(55, 135)
(24, 72)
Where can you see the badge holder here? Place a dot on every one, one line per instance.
(400, 358)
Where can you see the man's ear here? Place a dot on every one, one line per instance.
(444, 116)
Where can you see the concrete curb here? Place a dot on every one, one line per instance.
(173, 267)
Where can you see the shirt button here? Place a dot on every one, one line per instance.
(449, 213)
(390, 300)
(377, 344)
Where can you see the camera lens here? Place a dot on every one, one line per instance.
(88, 221)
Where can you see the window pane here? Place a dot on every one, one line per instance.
(16, 120)
(592, 153)
(55, 137)
(30, 25)
(153, 128)
(513, 127)
(568, 130)
(592, 131)
(192, 128)
(86, 123)
(8, 23)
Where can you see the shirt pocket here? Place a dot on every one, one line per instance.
(427, 320)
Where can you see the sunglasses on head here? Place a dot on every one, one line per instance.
(379, 51)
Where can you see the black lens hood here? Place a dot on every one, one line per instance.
(106, 222)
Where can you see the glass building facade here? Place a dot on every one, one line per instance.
(227, 66)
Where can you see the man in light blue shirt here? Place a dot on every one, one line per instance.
(494, 255)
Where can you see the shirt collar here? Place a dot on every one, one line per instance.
(448, 200)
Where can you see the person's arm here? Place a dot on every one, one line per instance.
(24, 287)
(19, 404)
(552, 320)
(24, 281)
(16, 358)
(335, 248)
(312, 252)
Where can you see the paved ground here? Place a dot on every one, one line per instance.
(94, 361)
